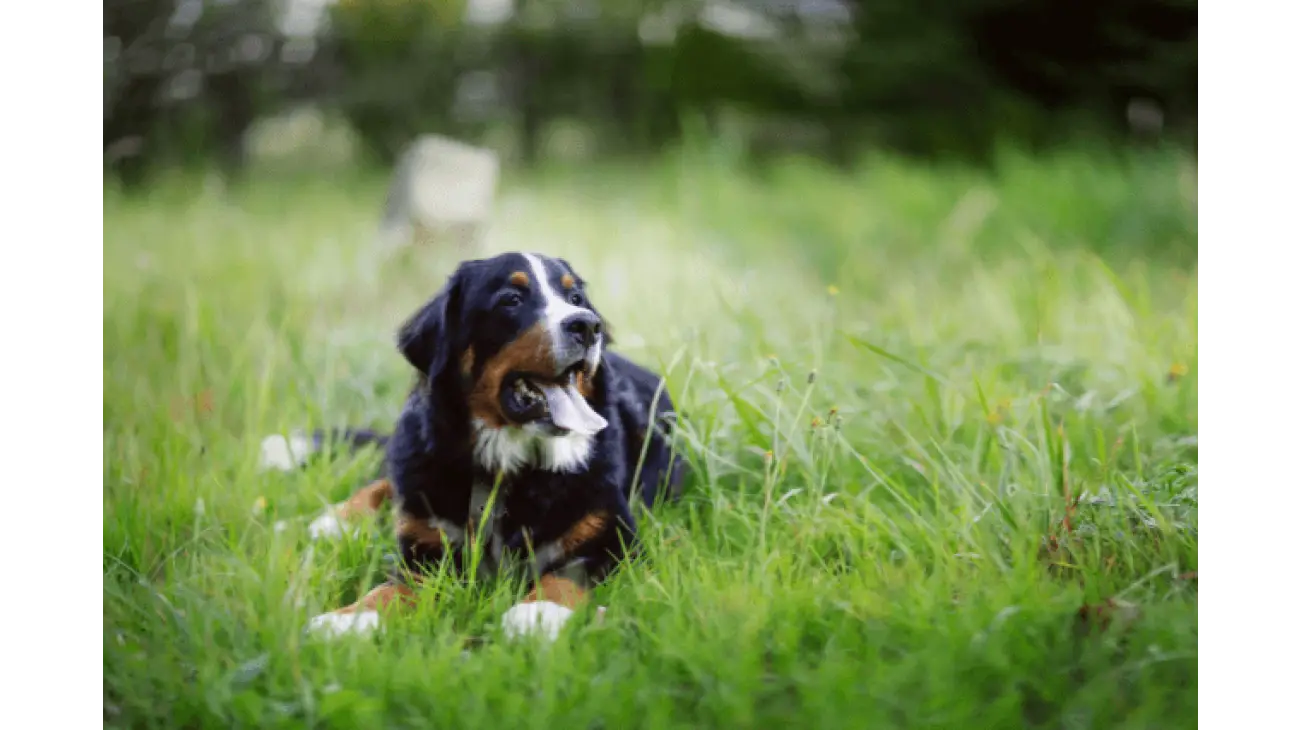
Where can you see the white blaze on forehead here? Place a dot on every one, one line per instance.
(557, 308)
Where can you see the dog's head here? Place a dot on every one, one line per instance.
(517, 341)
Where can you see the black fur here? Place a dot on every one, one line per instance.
(354, 439)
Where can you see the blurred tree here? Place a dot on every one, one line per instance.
(571, 60)
(184, 80)
(399, 64)
(1098, 55)
(133, 52)
(958, 75)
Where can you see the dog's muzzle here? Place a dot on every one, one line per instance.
(556, 405)
(577, 342)
(553, 401)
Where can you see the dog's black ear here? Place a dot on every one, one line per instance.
(427, 338)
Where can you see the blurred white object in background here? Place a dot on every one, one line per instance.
(1145, 117)
(440, 188)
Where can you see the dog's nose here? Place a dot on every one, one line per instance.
(583, 328)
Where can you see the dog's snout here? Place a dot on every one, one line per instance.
(583, 328)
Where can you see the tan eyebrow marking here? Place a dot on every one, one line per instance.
(519, 278)
(567, 281)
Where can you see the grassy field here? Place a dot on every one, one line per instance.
(935, 414)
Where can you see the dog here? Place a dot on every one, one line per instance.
(524, 438)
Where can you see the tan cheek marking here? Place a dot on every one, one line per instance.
(381, 597)
(584, 530)
(467, 361)
(531, 352)
(519, 278)
(366, 500)
(557, 590)
(418, 531)
(567, 281)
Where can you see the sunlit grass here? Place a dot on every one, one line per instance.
(932, 414)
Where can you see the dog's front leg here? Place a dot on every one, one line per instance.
(546, 609)
(578, 559)
(362, 617)
(340, 518)
(423, 541)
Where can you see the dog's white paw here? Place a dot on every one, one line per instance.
(540, 618)
(285, 453)
(332, 625)
(328, 526)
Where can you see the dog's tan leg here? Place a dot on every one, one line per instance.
(365, 501)
(557, 590)
(382, 596)
(546, 609)
(558, 594)
(363, 615)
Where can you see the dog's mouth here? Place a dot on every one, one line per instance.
(552, 402)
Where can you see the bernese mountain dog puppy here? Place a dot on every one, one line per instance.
(524, 439)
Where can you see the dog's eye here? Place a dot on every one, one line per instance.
(511, 299)
(575, 299)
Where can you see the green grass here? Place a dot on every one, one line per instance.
(1001, 430)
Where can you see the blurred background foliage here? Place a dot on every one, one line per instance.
(187, 81)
